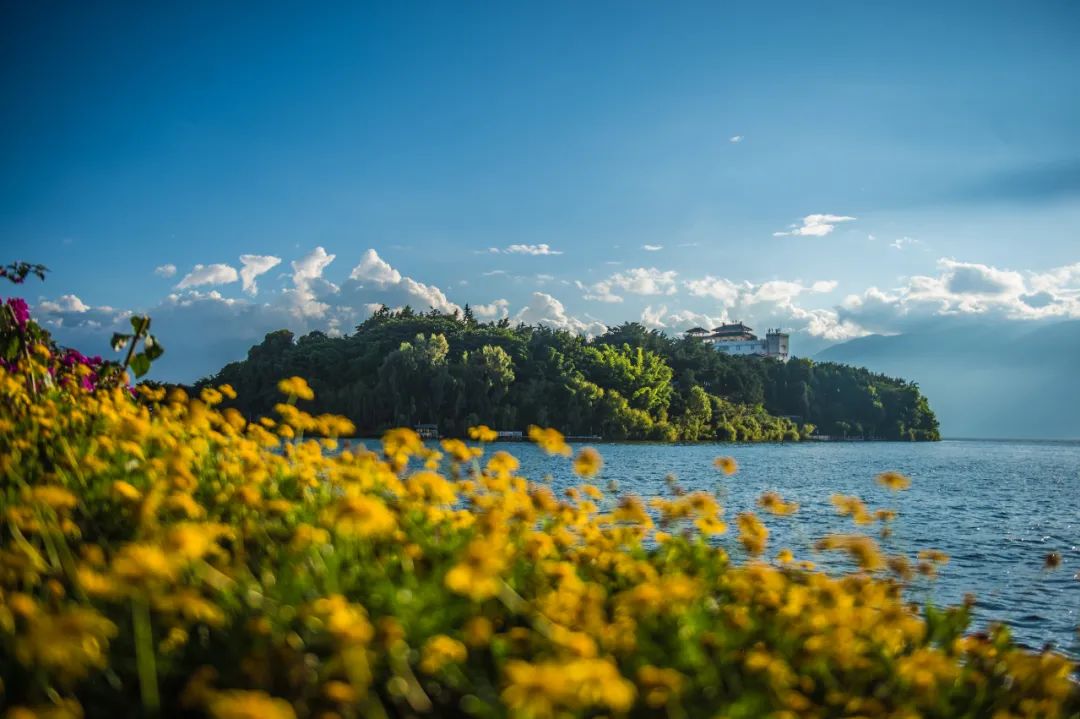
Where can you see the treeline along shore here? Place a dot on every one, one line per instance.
(405, 368)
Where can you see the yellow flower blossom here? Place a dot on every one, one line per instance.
(239, 704)
(727, 465)
(588, 462)
(440, 650)
(893, 480)
(752, 533)
(483, 433)
(774, 504)
(296, 387)
(550, 440)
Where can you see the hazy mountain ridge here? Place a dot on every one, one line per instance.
(1008, 379)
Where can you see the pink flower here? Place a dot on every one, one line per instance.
(20, 311)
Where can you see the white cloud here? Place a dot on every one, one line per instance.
(493, 273)
(815, 226)
(903, 242)
(253, 266)
(65, 303)
(165, 270)
(736, 139)
(309, 286)
(654, 318)
(546, 310)
(374, 268)
(393, 288)
(718, 288)
(652, 248)
(216, 274)
(967, 289)
(636, 281)
(428, 295)
(541, 249)
(770, 304)
(498, 308)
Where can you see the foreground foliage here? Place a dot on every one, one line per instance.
(159, 555)
(403, 368)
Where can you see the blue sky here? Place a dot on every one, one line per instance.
(833, 168)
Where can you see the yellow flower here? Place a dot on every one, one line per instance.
(227, 390)
(296, 387)
(363, 516)
(483, 433)
(57, 498)
(502, 463)
(459, 451)
(549, 440)
(752, 533)
(440, 650)
(141, 563)
(402, 442)
(774, 504)
(339, 692)
(588, 462)
(853, 507)
(211, 396)
(126, 491)
(478, 631)
(70, 644)
(727, 465)
(477, 575)
(862, 549)
(431, 487)
(239, 704)
(893, 480)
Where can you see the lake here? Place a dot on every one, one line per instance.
(996, 507)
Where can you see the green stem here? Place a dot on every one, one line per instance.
(144, 655)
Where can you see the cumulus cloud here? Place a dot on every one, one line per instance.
(306, 298)
(967, 289)
(771, 304)
(69, 312)
(717, 288)
(216, 274)
(374, 268)
(735, 139)
(65, 303)
(815, 226)
(652, 248)
(165, 270)
(544, 309)
(654, 318)
(902, 242)
(541, 249)
(497, 309)
(253, 266)
(373, 276)
(636, 281)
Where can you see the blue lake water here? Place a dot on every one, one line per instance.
(996, 507)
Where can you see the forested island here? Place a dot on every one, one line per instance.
(403, 368)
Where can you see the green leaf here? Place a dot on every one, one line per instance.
(140, 364)
(153, 348)
(140, 324)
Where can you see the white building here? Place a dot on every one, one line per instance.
(738, 339)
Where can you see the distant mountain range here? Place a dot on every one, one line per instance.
(1007, 380)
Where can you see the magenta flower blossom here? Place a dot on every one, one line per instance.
(20, 311)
